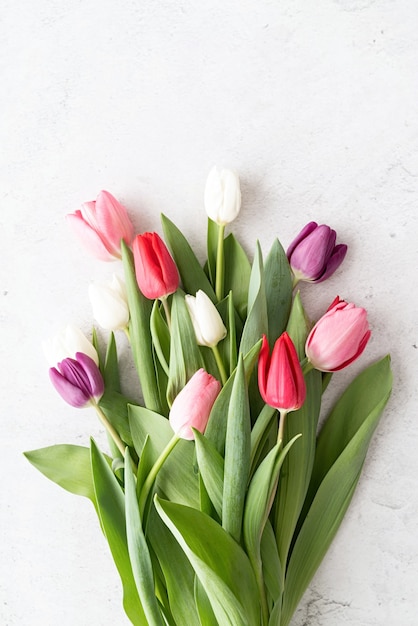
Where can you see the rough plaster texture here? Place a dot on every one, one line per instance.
(315, 105)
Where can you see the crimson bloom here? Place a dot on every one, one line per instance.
(339, 337)
(78, 380)
(280, 377)
(192, 406)
(101, 225)
(313, 255)
(156, 272)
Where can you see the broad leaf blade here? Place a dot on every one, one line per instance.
(278, 285)
(237, 274)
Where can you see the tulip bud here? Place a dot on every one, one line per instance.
(110, 304)
(207, 323)
(66, 343)
(280, 377)
(192, 406)
(222, 196)
(78, 380)
(313, 255)
(101, 225)
(338, 338)
(156, 272)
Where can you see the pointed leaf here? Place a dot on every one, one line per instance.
(256, 323)
(278, 285)
(237, 274)
(211, 467)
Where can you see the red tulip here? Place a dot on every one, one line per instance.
(156, 272)
(339, 337)
(280, 377)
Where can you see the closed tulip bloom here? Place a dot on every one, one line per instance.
(339, 337)
(313, 255)
(192, 406)
(101, 225)
(280, 377)
(110, 304)
(66, 343)
(207, 323)
(156, 272)
(78, 381)
(222, 196)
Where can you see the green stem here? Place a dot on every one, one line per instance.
(220, 364)
(149, 481)
(167, 311)
(220, 263)
(262, 593)
(280, 434)
(306, 366)
(113, 433)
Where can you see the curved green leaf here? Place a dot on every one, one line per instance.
(237, 274)
(279, 287)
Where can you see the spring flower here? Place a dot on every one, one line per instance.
(156, 272)
(313, 255)
(192, 406)
(222, 196)
(207, 323)
(78, 380)
(110, 304)
(101, 225)
(280, 377)
(66, 343)
(339, 337)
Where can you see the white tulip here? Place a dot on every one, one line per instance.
(222, 196)
(110, 304)
(66, 343)
(207, 323)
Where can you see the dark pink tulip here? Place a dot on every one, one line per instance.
(78, 380)
(101, 225)
(280, 377)
(192, 406)
(156, 272)
(313, 255)
(339, 337)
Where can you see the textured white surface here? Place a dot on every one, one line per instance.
(315, 105)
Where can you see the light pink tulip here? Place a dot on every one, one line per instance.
(101, 225)
(192, 406)
(339, 337)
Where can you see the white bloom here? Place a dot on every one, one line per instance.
(222, 196)
(66, 343)
(110, 304)
(207, 323)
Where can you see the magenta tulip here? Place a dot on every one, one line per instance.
(78, 380)
(192, 406)
(313, 255)
(280, 377)
(156, 272)
(339, 337)
(101, 225)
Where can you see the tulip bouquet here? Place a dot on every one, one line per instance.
(219, 494)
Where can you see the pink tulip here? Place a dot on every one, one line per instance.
(192, 406)
(78, 380)
(339, 337)
(280, 377)
(101, 225)
(156, 272)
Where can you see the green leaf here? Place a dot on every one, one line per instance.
(272, 569)
(111, 367)
(237, 455)
(111, 509)
(278, 286)
(191, 273)
(344, 441)
(140, 333)
(212, 248)
(256, 323)
(219, 562)
(258, 433)
(160, 336)
(237, 274)
(115, 406)
(211, 467)
(204, 607)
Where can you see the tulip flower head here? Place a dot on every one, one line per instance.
(207, 323)
(101, 225)
(110, 304)
(280, 377)
(192, 406)
(66, 343)
(222, 196)
(156, 272)
(313, 255)
(78, 380)
(339, 337)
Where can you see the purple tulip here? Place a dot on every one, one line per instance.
(78, 380)
(313, 255)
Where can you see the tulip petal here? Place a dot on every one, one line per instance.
(306, 230)
(72, 394)
(92, 373)
(89, 237)
(335, 260)
(113, 222)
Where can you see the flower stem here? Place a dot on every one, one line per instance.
(220, 263)
(113, 433)
(282, 420)
(167, 311)
(149, 481)
(220, 364)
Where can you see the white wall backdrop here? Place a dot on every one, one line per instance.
(315, 105)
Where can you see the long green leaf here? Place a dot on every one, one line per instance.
(111, 368)
(278, 285)
(211, 467)
(237, 274)
(256, 323)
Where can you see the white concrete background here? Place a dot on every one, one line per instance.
(315, 105)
